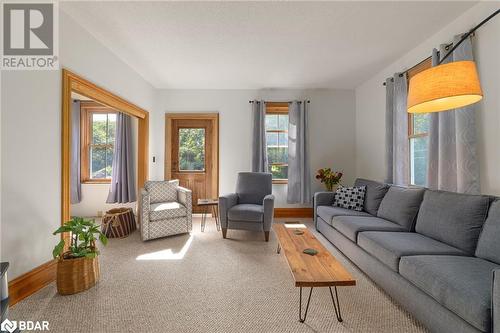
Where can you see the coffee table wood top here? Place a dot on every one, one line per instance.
(320, 270)
(208, 202)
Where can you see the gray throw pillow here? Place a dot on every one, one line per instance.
(453, 218)
(400, 205)
(375, 192)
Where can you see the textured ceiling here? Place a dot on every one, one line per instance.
(255, 45)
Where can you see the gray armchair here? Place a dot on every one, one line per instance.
(251, 207)
(165, 209)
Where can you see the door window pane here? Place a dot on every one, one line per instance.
(191, 149)
(418, 160)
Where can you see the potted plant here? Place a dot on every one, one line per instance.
(78, 267)
(330, 178)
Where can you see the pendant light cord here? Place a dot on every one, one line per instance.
(468, 34)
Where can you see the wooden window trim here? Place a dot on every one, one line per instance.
(87, 109)
(278, 108)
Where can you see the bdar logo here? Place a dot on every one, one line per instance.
(28, 29)
(8, 326)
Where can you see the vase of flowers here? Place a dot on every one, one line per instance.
(330, 178)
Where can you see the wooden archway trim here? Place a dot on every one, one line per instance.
(73, 82)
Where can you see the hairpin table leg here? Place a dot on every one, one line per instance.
(336, 304)
(307, 305)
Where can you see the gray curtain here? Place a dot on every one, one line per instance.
(123, 188)
(299, 173)
(259, 152)
(76, 186)
(453, 160)
(397, 158)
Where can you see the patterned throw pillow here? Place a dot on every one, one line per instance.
(350, 197)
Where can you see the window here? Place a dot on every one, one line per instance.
(277, 141)
(418, 136)
(98, 127)
(191, 149)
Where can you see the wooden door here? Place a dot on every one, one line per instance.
(192, 154)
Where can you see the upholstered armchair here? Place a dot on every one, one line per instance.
(251, 207)
(165, 209)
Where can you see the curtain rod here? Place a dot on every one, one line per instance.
(446, 48)
(307, 101)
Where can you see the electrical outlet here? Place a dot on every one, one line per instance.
(99, 213)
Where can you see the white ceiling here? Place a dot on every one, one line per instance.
(255, 45)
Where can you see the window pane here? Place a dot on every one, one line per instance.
(420, 123)
(109, 161)
(271, 121)
(283, 122)
(99, 128)
(283, 139)
(418, 160)
(98, 163)
(272, 139)
(279, 171)
(192, 149)
(277, 155)
(111, 127)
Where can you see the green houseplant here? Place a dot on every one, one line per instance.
(329, 178)
(78, 266)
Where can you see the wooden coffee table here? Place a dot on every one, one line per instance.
(320, 270)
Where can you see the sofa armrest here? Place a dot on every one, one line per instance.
(495, 302)
(268, 204)
(185, 197)
(144, 214)
(225, 203)
(321, 199)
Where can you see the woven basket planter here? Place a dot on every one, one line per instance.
(76, 275)
(118, 223)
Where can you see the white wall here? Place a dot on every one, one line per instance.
(331, 129)
(94, 196)
(31, 141)
(370, 98)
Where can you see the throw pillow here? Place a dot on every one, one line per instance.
(350, 197)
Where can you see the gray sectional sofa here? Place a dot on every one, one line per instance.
(436, 253)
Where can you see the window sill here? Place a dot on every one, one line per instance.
(96, 181)
(280, 181)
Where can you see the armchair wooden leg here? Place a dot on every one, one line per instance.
(224, 232)
(266, 235)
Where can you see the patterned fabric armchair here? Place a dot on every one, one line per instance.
(251, 207)
(166, 209)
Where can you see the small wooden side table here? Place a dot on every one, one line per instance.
(209, 204)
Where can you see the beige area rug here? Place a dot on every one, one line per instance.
(202, 283)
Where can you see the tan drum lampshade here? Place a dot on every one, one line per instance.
(444, 87)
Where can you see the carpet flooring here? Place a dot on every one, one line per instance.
(202, 283)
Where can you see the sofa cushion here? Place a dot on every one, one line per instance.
(461, 284)
(453, 218)
(350, 226)
(162, 191)
(400, 205)
(327, 213)
(375, 192)
(166, 210)
(246, 213)
(389, 247)
(488, 246)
